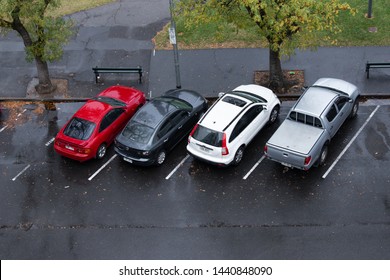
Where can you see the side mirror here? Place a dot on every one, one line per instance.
(221, 94)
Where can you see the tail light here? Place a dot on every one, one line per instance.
(265, 149)
(225, 150)
(83, 151)
(192, 132)
(307, 160)
(78, 150)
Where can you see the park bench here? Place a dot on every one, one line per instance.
(99, 70)
(375, 65)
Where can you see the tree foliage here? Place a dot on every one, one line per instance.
(43, 36)
(281, 22)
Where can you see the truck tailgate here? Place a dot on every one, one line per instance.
(295, 136)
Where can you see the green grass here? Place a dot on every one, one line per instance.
(72, 6)
(355, 31)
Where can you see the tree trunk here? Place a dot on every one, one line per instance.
(44, 85)
(276, 81)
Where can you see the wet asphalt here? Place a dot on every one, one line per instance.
(56, 208)
(52, 209)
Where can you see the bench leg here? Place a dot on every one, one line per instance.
(97, 78)
(140, 77)
(368, 72)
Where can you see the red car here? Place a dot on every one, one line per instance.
(95, 125)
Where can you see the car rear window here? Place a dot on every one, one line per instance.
(208, 136)
(302, 118)
(137, 132)
(79, 129)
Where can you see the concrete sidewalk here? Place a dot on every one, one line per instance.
(119, 35)
(216, 70)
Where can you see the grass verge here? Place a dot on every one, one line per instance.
(72, 6)
(355, 31)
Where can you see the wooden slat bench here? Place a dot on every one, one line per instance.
(99, 70)
(376, 65)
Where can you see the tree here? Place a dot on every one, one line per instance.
(43, 36)
(280, 22)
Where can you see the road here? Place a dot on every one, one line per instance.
(56, 208)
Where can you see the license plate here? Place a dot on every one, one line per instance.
(286, 164)
(204, 149)
(127, 159)
(69, 147)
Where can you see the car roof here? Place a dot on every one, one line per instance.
(315, 100)
(221, 114)
(154, 111)
(93, 110)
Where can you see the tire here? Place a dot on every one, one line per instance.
(323, 155)
(238, 156)
(101, 151)
(161, 157)
(355, 109)
(274, 114)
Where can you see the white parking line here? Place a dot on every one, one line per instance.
(254, 167)
(177, 167)
(101, 168)
(22, 112)
(49, 142)
(3, 128)
(350, 143)
(21, 172)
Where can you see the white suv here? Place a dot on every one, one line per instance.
(221, 135)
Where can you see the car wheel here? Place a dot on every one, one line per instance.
(101, 152)
(323, 155)
(161, 157)
(238, 156)
(274, 114)
(355, 109)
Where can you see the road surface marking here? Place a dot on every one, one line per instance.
(177, 167)
(254, 167)
(49, 142)
(22, 112)
(101, 168)
(3, 128)
(350, 143)
(21, 172)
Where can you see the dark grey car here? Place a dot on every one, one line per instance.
(159, 126)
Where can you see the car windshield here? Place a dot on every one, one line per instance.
(137, 132)
(79, 129)
(110, 101)
(208, 136)
(235, 101)
(176, 102)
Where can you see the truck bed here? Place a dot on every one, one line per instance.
(295, 137)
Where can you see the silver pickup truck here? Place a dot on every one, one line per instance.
(302, 140)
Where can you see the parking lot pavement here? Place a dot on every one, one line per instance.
(55, 208)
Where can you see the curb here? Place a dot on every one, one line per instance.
(210, 98)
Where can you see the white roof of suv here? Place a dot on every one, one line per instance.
(223, 112)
